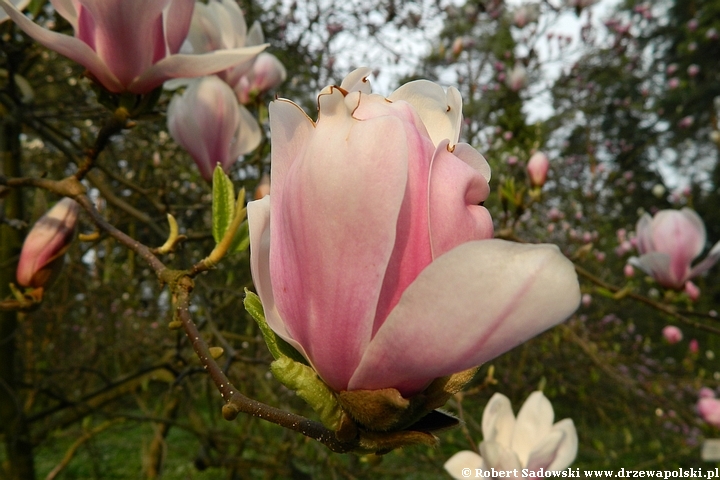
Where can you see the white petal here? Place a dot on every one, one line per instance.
(498, 421)
(461, 460)
(534, 421)
(357, 81)
(440, 112)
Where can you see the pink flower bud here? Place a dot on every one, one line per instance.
(42, 253)
(686, 122)
(628, 271)
(537, 169)
(672, 334)
(673, 83)
(694, 346)
(517, 78)
(586, 300)
(693, 70)
(267, 73)
(709, 410)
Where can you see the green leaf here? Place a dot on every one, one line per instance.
(278, 347)
(223, 205)
(308, 386)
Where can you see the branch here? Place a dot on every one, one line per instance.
(667, 309)
(235, 401)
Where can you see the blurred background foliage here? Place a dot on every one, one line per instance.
(106, 390)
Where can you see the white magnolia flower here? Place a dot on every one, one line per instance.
(529, 441)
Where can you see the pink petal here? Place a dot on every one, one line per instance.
(205, 121)
(183, 65)
(657, 265)
(468, 306)
(644, 234)
(707, 263)
(456, 190)
(139, 23)
(178, 16)
(258, 213)
(70, 47)
(328, 255)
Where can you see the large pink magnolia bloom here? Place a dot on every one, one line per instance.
(130, 45)
(44, 247)
(371, 253)
(668, 243)
(529, 441)
(210, 124)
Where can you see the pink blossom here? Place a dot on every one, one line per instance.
(706, 392)
(530, 441)
(517, 79)
(694, 346)
(693, 70)
(372, 252)
(210, 124)
(221, 25)
(668, 243)
(586, 300)
(537, 169)
(42, 252)
(672, 334)
(129, 45)
(628, 271)
(709, 410)
(673, 83)
(266, 73)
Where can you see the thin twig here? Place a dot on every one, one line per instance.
(238, 403)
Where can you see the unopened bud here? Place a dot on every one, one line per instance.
(42, 253)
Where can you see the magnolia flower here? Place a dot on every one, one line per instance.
(709, 410)
(517, 78)
(19, 4)
(672, 334)
(529, 441)
(668, 243)
(371, 255)
(537, 169)
(266, 73)
(42, 253)
(221, 25)
(130, 45)
(210, 124)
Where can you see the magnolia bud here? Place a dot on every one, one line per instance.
(42, 253)
(672, 334)
(537, 169)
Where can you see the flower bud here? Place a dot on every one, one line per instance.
(42, 253)
(267, 73)
(537, 169)
(672, 334)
